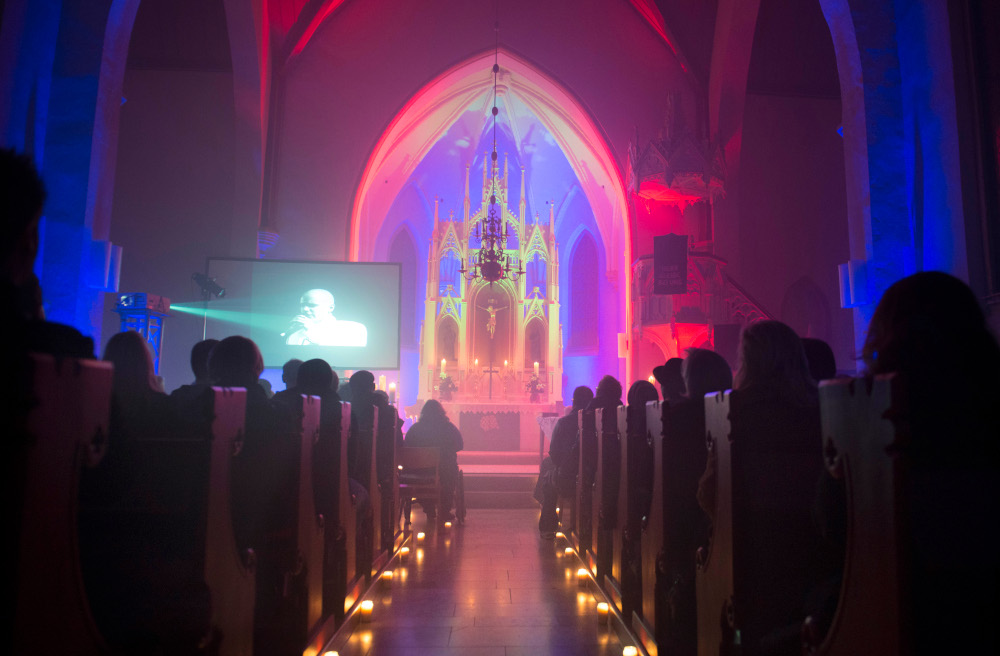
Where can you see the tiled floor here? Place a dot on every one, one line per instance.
(490, 588)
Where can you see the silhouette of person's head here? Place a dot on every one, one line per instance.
(290, 372)
(929, 325)
(235, 362)
(822, 363)
(671, 381)
(22, 195)
(199, 359)
(316, 377)
(317, 304)
(433, 411)
(705, 372)
(133, 363)
(771, 359)
(362, 384)
(582, 396)
(641, 392)
(609, 389)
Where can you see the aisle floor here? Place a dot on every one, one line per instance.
(490, 588)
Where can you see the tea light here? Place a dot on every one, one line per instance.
(420, 536)
(366, 610)
(581, 577)
(331, 653)
(602, 613)
(560, 534)
(447, 524)
(568, 551)
(631, 650)
(386, 577)
(403, 554)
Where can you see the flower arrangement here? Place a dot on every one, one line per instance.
(534, 385)
(446, 387)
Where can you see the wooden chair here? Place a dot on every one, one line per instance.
(419, 477)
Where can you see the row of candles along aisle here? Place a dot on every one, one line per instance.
(366, 607)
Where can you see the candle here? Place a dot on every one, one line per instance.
(447, 524)
(568, 551)
(381, 382)
(477, 362)
(392, 393)
(366, 610)
(631, 650)
(652, 380)
(602, 612)
(581, 577)
(386, 577)
(560, 534)
(443, 363)
(536, 368)
(505, 364)
(420, 536)
(404, 552)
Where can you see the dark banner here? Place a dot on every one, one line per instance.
(670, 264)
(490, 431)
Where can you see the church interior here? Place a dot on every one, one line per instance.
(810, 153)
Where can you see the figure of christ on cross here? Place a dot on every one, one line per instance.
(491, 325)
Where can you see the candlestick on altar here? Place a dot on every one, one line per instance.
(381, 382)
(392, 393)
(536, 368)
(443, 363)
(477, 362)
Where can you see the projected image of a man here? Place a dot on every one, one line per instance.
(316, 325)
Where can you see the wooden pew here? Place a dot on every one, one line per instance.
(860, 442)
(388, 475)
(606, 487)
(586, 514)
(364, 429)
(290, 556)
(634, 479)
(645, 620)
(717, 629)
(764, 555)
(67, 430)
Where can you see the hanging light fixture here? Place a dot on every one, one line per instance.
(491, 262)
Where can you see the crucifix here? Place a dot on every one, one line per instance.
(491, 327)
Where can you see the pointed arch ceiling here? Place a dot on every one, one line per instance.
(526, 95)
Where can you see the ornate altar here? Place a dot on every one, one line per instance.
(492, 343)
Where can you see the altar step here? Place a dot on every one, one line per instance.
(499, 479)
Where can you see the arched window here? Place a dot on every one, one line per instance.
(402, 250)
(584, 296)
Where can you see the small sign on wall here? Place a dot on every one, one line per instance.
(670, 264)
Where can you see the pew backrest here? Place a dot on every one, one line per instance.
(714, 576)
(645, 617)
(67, 430)
(310, 526)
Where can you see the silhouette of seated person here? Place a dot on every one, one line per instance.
(199, 367)
(434, 429)
(557, 474)
(687, 527)
(822, 363)
(131, 571)
(930, 331)
(775, 436)
(315, 324)
(671, 379)
(641, 479)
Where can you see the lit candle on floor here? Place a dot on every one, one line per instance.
(403, 554)
(602, 612)
(386, 577)
(560, 534)
(366, 610)
(420, 536)
(447, 524)
(581, 577)
(631, 650)
(568, 551)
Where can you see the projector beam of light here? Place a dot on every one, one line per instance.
(252, 319)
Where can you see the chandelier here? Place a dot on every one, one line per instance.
(492, 263)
